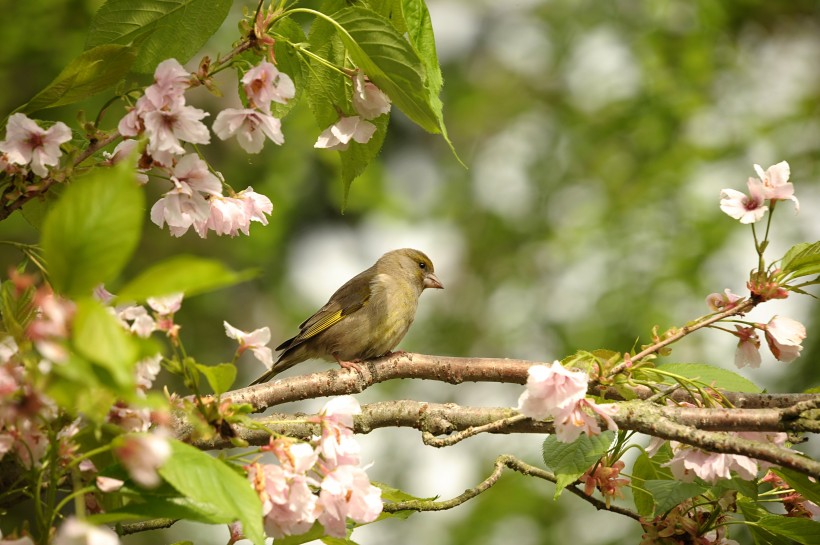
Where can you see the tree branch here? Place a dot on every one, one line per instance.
(452, 370)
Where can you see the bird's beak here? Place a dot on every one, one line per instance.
(432, 281)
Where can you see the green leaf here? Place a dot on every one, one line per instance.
(668, 494)
(316, 532)
(213, 485)
(163, 507)
(570, 460)
(220, 377)
(648, 469)
(801, 260)
(711, 375)
(391, 62)
(357, 156)
(747, 488)
(90, 234)
(92, 72)
(99, 337)
(82, 388)
(801, 530)
(36, 210)
(752, 512)
(181, 274)
(163, 28)
(391, 494)
(800, 483)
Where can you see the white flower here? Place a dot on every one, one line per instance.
(78, 532)
(142, 454)
(785, 337)
(27, 143)
(339, 135)
(745, 208)
(368, 100)
(254, 341)
(250, 128)
(776, 185)
(176, 122)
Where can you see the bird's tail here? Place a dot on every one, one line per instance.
(286, 360)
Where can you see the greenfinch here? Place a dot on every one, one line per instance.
(367, 317)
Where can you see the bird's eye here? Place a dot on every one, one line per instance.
(422, 265)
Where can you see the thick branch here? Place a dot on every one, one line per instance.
(453, 370)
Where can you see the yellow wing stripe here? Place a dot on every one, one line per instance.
(321, 325)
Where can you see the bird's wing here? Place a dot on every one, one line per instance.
(348, 299)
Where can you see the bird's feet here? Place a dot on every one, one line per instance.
(393, 353)
(355, 364)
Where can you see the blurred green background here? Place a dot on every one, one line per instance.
(598, 136)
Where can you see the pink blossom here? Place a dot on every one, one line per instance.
(295, 457)
(79, 532)
(124, 150)
(570, 422)
(254, 341)
(27, 143)
(170, 82)
(176, 122)
(130, 419)
(748, 347)
(346, 492)
(228, 216)
(147, 370)
(340, 411)
(8, 348)
(368, 100)
(776, 185)
(193, 172)
(689, 462)
(109, 484)
(265, 83)
(167, 304)
(142, 454)
(339, 135)
(288, 504)
(131, 123)
(256, 205)
(185, 205)
(746, 209)
(551, 389)
(784, 337)
(50, 328)
(718, 302)
(250, 128)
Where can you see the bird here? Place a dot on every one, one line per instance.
(365, 318)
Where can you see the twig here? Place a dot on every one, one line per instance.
(492, 427)
(511, 462)
(144, 526)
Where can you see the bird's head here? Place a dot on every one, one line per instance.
(413, 265)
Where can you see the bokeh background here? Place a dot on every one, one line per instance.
(597, 136)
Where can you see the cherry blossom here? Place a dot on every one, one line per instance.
(167, 127)
(124, 150)
(167, 304)
(368, 100)
(338, 444)
(722, 301)
(689, 462)
(27, 143)
(50, 329)
(250, 127)
(784, 337)
(339, 135)
(745, 208)
(142, 454)
(185, 204)
(142, 323)
(256, 205)
(346, 492)
(748, 347)
(265, 83)
(79, 532)
(288, 504)
(170, 82)
(147, 370)
(776, 185)
(254, 341)
(551, 389)
(109, 484)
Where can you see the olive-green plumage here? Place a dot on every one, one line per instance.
(366, 317)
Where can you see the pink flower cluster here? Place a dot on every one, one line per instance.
(783, 335)
(689, 462)
(321, 482)
(263, 84)
(255, 341)
(195, 200)
(557, 393)
(772, 185)
(27, 144)
(369, 102)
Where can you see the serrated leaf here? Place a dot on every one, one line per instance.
(801, 260)
(92, 72)
(805, 531)
(99, 337)
(212, 484)
(91, 232)
(570, 460)
(181, 274)
(711, 376)
(163, 28)
(752, 512)
(220, 377)
(668, 494)
(801, 483)
(647, 469)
